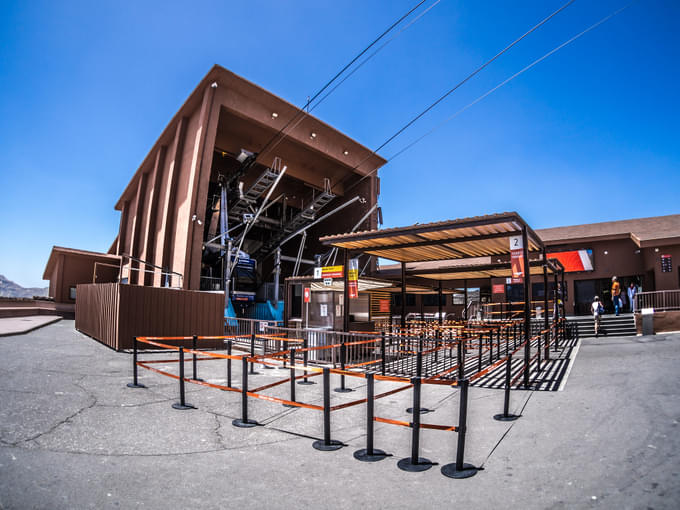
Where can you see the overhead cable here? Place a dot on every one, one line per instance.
(453, 89)
(508, 80)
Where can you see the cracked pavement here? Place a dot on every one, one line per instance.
(72, 435)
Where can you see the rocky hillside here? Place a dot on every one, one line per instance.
(10, 289)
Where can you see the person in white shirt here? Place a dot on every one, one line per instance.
(597, 310)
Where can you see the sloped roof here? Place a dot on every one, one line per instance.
(643, 231)
(60, 250)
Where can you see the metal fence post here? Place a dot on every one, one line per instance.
(506, 416)
(134, 383)
(305, 359)
(292, 378)
(383, 353)
(229, 364)
(343, 360)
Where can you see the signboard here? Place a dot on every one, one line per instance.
(384, 305)
(307, 294)
(574, 260)
(332, 272)
(498, 288)
(317, 273)
(323, 310)
(353, 279)
(666, 264)
(328, 282)
(517, 258)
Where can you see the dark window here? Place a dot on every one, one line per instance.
(431, 299)
(72, 293)
(410, 300)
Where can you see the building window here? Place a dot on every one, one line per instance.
(72, 293)
(410, 300)
(431, 300)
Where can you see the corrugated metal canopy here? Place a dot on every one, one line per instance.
(454, 239)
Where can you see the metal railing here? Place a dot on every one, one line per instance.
(660, 300)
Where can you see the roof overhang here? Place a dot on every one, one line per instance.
(93, 255)
(455, 239)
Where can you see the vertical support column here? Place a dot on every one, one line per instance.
(345, 294)
(527, 305)
(465, 300)
(545, 302)
(403, 297)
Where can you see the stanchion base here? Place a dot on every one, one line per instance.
(133, 385)
(289, 405)
(502, 417)
(343, 390)
(198, 379)
(422, 465)
(321, 445)
(423, 410)
(305, 383)
(244, 424)
(363, 456)
(253, 373)
(267, 367)
(182, 407)
(451, 471)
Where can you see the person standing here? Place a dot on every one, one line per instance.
(597, 310)
(616, 298)
(632, 292)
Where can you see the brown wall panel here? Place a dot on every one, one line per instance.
(113, 313)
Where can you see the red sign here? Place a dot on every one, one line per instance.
(574, 260)
(498, 288)
(307, 294)
(517, 258)
(384, 305)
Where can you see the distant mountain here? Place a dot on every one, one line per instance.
(10, 289)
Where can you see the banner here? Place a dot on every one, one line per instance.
(332, 272)
(353, 278)
(517, 259)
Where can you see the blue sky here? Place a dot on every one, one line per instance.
(591, 134)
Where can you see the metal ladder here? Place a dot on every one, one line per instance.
(259, 188)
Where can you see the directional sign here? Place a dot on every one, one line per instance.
(328, 282)
(307, 294)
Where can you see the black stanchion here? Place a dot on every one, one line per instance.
(490, 347)
(181, 405)
(479, 357)
(244, 422)
(327, 444)
(383, 353)
(419, 374)
(292, 378)
(415, 462)
(546, 345)
(460, 469)
(134, 383)
(343, 360)
(305, 359)
(194, 359)
(370, 454)
(229, 364)
(252, 354)
(506, 416)
(461, 360)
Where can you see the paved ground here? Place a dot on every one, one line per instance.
(19, 325)
(73, 436)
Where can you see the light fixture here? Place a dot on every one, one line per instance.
(606, 252)
(243, 155)
(313, 135)
(656, 250)
(637, 252)
(274, 115)
(345, 152)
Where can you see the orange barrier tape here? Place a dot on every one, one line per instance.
(408, 424)
(364, 400)
(363, 364)
(283, 401)
(287, 380)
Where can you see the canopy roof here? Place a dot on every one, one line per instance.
(454, 239)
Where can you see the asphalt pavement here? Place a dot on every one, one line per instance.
(73, 435)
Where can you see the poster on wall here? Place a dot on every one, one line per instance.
(574, 260)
